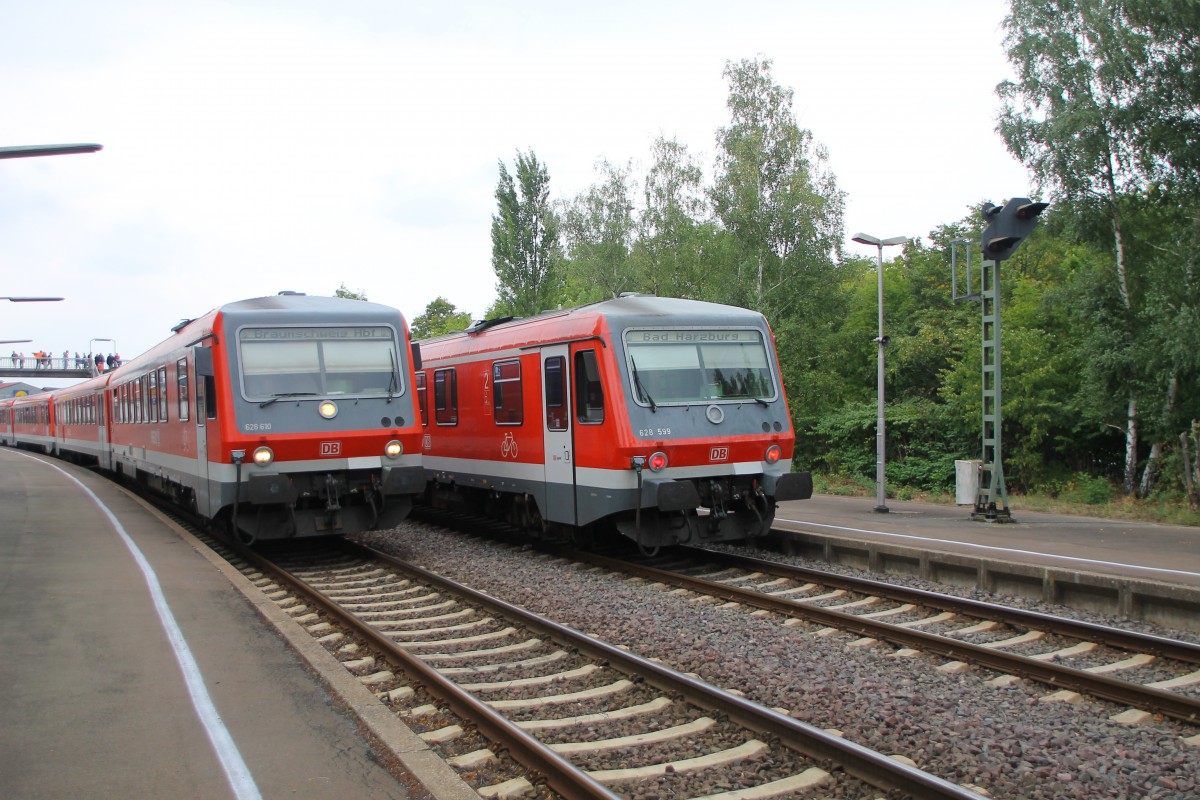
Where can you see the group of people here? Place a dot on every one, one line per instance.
(44, 360)
(112, 361)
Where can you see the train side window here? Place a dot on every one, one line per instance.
(210, 391)
(508, 397)
(556, 400)
(162, 394)
(152, 397)
(445, 396)
(589, 392)
(201, 405)
(181, 381)
(423, 399)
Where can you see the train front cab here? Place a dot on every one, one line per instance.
(279, 464)
(678, 471)
(702, 442)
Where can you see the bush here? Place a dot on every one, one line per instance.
(1088, 490)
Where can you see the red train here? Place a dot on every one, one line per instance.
(274, 417)
(664, 417)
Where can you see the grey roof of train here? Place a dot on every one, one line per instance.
(676, 310)
(302, 301)
(641, 309)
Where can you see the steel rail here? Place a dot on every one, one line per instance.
(558, 773)
(1155, 700)
(870, 766)
(1103, 634)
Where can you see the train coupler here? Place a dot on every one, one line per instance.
(332, 496)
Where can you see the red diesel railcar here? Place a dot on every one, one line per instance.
(664, 417)
(275, 417)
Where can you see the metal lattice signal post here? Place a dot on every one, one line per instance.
(1008, 225)
(991, 503)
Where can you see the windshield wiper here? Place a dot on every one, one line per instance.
(282, 395)
(762, 402)
(394, 383)
(638, 382)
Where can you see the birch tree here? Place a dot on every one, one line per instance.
(598, 228)
(1096, 114)
(774, 192)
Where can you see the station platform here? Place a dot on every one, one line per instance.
(135, 665)
(1138, 570)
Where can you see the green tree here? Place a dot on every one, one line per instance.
(1100, 112)
(774, 193)
(673, 238)
(598, 229)
(342, 291)
(526, 254)
(439, 317)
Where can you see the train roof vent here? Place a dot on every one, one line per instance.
(183, 323)
(483, 324)
(290, 292)
(635, 294)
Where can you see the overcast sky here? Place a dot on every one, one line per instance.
(253, 147)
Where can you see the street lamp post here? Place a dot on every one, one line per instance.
(34, 150)
(881, 340)
(26, 300)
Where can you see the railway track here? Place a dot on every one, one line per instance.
(1162, 676)
(580, 717)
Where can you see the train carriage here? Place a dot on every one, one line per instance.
(6, 429)
(664, 417)
(33, 422)
(274, 417)
(299, 413)
(81, 416)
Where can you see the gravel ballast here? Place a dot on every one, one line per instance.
(1007, 740)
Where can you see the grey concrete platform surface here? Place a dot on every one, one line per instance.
(1139, 570)
(94, 702)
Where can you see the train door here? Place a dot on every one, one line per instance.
(202, 380)
(556, 422)
(102, 398)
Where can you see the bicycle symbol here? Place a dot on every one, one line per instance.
(508, 447)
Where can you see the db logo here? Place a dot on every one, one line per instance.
(719, 454)
(331, 448)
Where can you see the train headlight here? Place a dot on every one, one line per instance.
(657, 461)
(328, 409)
(263, 456)
(774, 454)
(393, 449)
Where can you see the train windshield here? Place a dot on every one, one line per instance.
(302, 361)
(698, 366)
